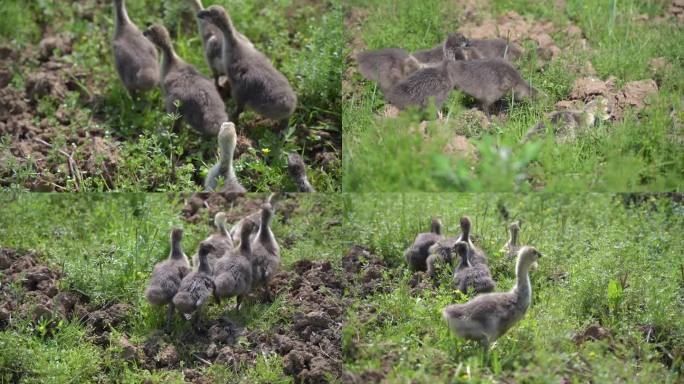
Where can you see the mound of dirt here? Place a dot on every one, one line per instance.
(676, 10)
(632, 95)
(33, 127)
(592, 333)
(38, 283)
(517, 29)
(41, 299)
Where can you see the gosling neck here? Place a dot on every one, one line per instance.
(227, 152)
(245, 246)
(169, 57)
(204, 264)
(230, 45)
(513, 241)
(176, 250)
(303, 184)
(120, 15)
(465, 263)
(264, 227)
(197, 5)
(452, 69)
(436, 227)
(523, 288)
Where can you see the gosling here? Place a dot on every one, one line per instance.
(297, 170)
(416, 255)
(220, 241)
(485, 80)
(471, 277)
(227, 140)
(200, 103)
(196, 286)
(254, 81)
(167, 275)
(441, 251)
(233, 272)
(212, 41)
(567, 125)
(487, 317)
(432, 81)
(135, 58)
(387, 66)
(510, 249)
(266, 253)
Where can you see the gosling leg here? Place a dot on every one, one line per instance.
(238, 111)
(267, 294)
(169, 317)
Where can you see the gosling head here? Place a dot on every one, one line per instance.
(465, 228)
(436, 226)
(158, 35)
(266, 210)
(176, 235)
(528, 256)
(453, 44)
(216, 15)
(248, 226)
(196, 5)
(205, 248)
(220, 220)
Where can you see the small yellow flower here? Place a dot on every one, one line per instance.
(266, 151)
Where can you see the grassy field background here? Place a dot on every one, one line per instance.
(106, 246)
(612, 268)
(115, 145)
(642, 151)
(605, 263)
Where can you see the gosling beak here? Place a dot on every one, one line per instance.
(202, 14)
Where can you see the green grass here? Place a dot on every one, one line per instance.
(302, 39)
(591, 242)
(106, 245)
(639, 153)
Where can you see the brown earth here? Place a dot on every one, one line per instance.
(633, 95)
(42, 299)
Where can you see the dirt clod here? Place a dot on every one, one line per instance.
(586, 87)
(168, 357)
(51, 43)
(102, 319)
(592, 333)
(129, 352)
